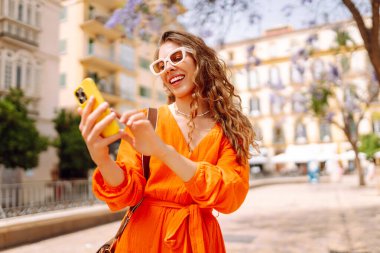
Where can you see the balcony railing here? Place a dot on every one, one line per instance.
(19, 31)
(35, 197)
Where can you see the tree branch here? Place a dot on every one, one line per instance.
(375, 25)
(364, 31)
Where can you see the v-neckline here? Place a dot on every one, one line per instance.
(183, 136)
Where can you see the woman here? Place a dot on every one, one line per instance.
(199, 154)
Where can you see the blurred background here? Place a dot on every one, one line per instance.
(307, 73)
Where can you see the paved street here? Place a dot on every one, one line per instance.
(291, 218)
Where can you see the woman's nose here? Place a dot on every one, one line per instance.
(169, 66)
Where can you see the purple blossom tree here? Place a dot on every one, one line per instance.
(341, 101)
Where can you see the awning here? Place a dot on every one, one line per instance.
(258, 159)
(349, 155)
(306, 153)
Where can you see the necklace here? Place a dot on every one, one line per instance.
(177, 111)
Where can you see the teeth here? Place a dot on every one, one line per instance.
(177, 78)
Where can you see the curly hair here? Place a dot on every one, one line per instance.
(213, 86)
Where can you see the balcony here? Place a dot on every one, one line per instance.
(110, 4)
(96, 26)
(19, 33)
(98, 61)
(102, 56)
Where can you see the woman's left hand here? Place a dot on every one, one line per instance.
(144, 139)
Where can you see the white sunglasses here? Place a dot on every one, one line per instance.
(175, 57)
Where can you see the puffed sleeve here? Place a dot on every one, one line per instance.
(222, 186)
(131, 190)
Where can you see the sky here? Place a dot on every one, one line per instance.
(273, 16)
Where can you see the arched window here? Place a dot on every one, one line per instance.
(8, 69)
(277, 103)
(253, 79)
(324, 131)
(300, 132)
(20, 11)
(254, 106)
(275, 78)
(297, 73)
(318, 69)
(299, 103)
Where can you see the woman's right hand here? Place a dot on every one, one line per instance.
(91, 131)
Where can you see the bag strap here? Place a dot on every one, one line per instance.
(152, 117)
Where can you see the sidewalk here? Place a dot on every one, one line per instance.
(313, 218)
(286, 218)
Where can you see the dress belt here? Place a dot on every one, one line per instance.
(193, 214)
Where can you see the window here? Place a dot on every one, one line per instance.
(253, 79)
(297, 73)
(277, 102)
(318, 69)
(144, 91)
(62, 80)
(144, 63)
(275, 78)
(300, 133)
(324, 132)
(254, 106)
(299, 103)
(91, 12)
(278, 135)
(11, 8)
(20, 12)
(63, 13)
(29, 15)
(8, 74)
(91, 46)
(18, 76)
(127, 57)
(127, 87)
(376, 126)
(62, 46)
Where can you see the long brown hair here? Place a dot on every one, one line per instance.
(213, 86)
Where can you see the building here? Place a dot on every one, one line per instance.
(273, 86)
(29, 60)
(119, 64)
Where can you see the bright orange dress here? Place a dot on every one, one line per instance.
(176, 216)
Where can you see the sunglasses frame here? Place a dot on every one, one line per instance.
(167, 59)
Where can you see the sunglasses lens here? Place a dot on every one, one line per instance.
(176, 57)
(159, 66)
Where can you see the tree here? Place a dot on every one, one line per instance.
(74, 159)
(369, 144)
(21, 142)
(333, 90)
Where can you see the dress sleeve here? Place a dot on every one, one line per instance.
(131, 190)
(222, 186)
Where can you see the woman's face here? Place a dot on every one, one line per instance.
(179, 78)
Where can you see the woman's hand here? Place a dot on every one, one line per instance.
(91, 131)
(144, 139)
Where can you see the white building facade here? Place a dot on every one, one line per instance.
(29, 60)
(274, 90)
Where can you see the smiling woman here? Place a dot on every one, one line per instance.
(199, 154)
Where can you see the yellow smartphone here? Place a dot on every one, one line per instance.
(83, 92)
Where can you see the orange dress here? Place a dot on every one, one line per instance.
(176, 216)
